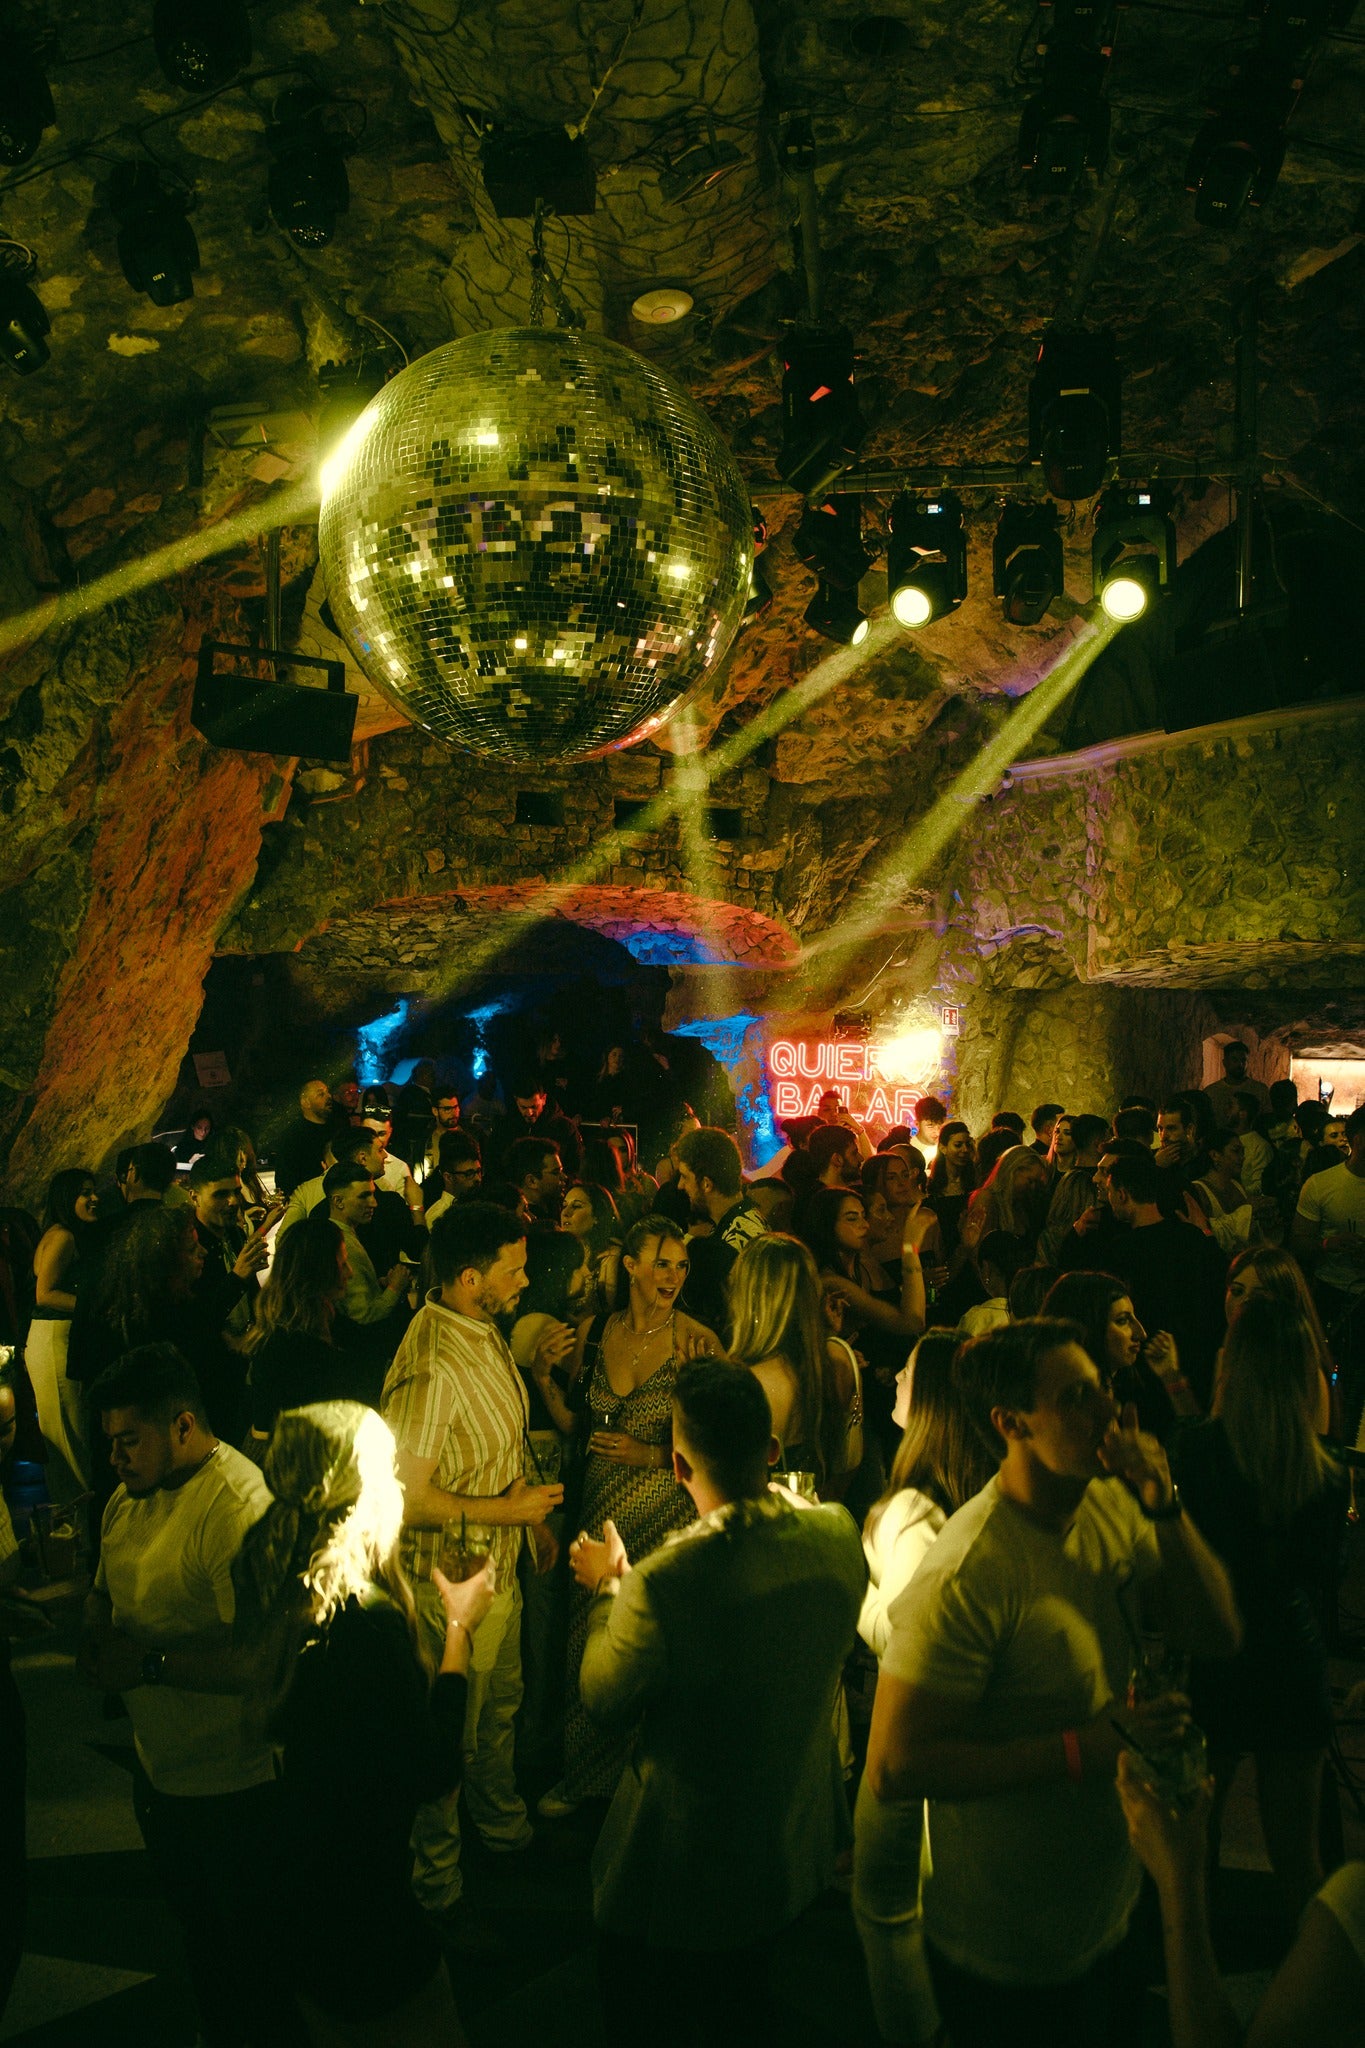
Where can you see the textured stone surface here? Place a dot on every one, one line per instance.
(944, 271)
(108, 926)
(1201, 861)
(432, 947)
(1091, 1045)
(412, 823)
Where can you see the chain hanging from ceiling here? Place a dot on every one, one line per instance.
(543, 279)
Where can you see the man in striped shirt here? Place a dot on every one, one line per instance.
(458, 1409)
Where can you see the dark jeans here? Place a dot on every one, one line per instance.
(1102, 2009)
(216, 1860)
(683, 1997)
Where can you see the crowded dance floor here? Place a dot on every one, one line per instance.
(682, 1025)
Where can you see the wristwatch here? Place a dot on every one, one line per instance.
(153, 1667)
(1173, 1510)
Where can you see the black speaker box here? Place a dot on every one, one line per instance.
(256, 717)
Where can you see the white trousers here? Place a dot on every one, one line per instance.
(59, 1407)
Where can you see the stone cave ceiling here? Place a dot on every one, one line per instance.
(939, 262)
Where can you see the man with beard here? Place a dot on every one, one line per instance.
(711, 1177)
(158, 1629)
(457, 1406)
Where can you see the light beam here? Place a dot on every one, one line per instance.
(297, 506)
(913, 853)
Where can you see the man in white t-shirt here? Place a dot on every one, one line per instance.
(363, 1146)
(1328, 1239)
(1329, 1227)
(158, 1626)
(1009, 1660)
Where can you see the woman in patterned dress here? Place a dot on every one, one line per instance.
(627, 1362)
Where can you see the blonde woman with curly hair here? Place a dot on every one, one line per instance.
(368, 1712)
(811, 1377)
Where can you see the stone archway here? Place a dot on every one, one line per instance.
(430, 940)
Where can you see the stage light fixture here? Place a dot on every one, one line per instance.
(347, 389)
(697, 163)
(1290, 28)
(1237, 154)
(308, 186)
(1074, 419)
(1027, 561)
(760, 590)
(837, 614)
(822, 427)
(156, 244)
(201, 44)
(24, 324)
(829, 540)
(1064, 129)
(25, 104)
(926, 558)
(1133, 551)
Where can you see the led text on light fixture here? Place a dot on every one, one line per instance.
(878, 1084)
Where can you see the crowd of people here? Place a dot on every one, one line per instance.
(454, 1463)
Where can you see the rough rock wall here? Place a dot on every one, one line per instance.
(134, 851)
(412, 820)
(1237, 860)
(942, 269)
(124, 838)
(643, 87)
(1087, 1043)
(1113, 913)
(1232, 860)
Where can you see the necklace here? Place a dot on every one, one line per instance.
(642, 1337)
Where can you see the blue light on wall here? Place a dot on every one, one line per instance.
(373, 1041)
(670, 949)
(723, 1036)
(756, 1114)
(481, 1019)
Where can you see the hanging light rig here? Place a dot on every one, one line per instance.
(1075, 454)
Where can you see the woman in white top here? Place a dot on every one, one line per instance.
(939, 1463)
(72, 1209)
(1221, 1196)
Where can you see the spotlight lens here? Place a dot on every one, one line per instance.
(1123, 597)
(911, 605)
(859, 633)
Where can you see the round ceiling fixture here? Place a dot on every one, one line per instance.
(535, 543)
(658, 308)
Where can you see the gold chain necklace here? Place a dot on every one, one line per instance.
(644, 1336)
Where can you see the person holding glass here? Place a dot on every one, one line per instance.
(1003, 1690)
(624, 1369)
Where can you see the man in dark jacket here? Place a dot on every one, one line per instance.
(725, 1646)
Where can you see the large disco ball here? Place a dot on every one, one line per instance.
(534, 543)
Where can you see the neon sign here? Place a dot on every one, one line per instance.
(877, 1084)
